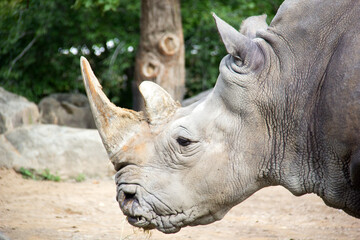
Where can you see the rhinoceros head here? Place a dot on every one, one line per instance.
(187, 166)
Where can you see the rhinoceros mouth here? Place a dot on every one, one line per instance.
(143, 211)
(131, 208)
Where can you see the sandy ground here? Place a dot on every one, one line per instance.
(88, 210)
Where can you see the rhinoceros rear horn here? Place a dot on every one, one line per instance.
(159, 104)
(115, 125)
(238, 45)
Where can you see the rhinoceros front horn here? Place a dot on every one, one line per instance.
(115, 125)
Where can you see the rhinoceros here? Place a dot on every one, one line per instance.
(285, 110)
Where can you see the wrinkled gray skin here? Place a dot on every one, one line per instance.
(285, 111)
(250, 26)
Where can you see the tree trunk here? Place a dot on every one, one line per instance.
(160, 56)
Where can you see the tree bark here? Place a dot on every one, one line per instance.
(160, 56)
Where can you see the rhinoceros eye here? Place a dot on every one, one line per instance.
(183, 141)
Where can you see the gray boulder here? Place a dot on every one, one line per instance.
(66, 109)
(63, 150)
(3, 237)
(16, 111)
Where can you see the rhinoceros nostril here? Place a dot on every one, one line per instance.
(128, 203)
(128, 199)
(129, 196)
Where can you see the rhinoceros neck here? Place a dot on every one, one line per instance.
(293, 150)
(311, 145)
(299, 155)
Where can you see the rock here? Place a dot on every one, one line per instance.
(3, 237)
(65, 151)
(66, 109)
(8, 153)
(16, 111)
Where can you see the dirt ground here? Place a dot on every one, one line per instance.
(69, 210)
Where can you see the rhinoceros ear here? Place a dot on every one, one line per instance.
(158, 103)
(115, 125)
(238, 45)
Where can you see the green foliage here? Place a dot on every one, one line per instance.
(80, 178)
(27, 173)
(36, 175)
(104, 5)
(41, 43)
(46, 175)
(40, 46)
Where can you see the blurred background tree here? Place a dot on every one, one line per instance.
(160, 54)
(41, 42)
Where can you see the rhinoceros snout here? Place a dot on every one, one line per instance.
(127, 200)
(128, 203)
(130, 206)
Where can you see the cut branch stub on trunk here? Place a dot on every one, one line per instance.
(169, 44)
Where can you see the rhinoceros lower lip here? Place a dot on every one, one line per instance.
(130, 206)
(141, 222)
(143, 215)
(134, 218)
(137, 217)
